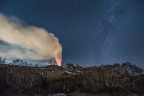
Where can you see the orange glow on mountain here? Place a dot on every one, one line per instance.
(59, 61)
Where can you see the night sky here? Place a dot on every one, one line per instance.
(92, 32)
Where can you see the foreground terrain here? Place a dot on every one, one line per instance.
(107, 80)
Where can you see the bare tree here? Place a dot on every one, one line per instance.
(2, 60)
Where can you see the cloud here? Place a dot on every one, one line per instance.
(27, 42)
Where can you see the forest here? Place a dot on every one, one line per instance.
(114, 79)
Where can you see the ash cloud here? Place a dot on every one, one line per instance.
(27, 42)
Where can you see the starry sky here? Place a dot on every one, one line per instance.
(92, 32)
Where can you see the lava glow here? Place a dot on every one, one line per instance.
(58, 61)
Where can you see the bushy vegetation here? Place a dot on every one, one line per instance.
(38, 81)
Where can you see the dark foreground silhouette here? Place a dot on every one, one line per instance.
(107, 80)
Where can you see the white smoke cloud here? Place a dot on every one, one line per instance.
(32, 42)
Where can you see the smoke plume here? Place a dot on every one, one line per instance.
(27, 42)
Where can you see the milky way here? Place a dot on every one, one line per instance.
(92, 32)
(124, 41)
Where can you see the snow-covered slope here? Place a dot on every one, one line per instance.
(66, 68)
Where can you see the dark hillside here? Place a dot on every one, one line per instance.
(69, 78)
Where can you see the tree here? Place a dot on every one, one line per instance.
(2, 61)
